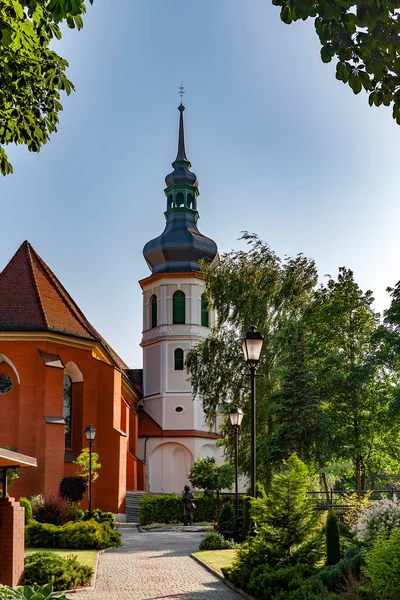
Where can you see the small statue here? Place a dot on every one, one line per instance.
(188, 505)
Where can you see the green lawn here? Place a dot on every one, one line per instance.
(217, 558)
(86, 557)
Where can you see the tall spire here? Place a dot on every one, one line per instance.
(181, 155)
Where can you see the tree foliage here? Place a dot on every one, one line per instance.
(363, 37)
(330, 389)
(83, 462)
(32, 75)
(72, 489)
(208, 476)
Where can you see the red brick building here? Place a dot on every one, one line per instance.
(58, 375)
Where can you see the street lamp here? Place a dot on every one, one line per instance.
(236, 416)
(90, 433)
(252, 348)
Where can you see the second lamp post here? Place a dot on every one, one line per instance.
(90, 433)
(252, 348)
(236, 416)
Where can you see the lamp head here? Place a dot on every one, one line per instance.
(90, 433)
(236, 416)
(252, 346)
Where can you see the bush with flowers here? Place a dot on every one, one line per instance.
(380, 517)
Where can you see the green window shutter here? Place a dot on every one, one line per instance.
(178, 308)
(178, 359)
(204, 311)
(153, 311)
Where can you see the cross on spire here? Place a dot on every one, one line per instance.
(181, 92)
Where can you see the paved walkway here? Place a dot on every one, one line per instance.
(155, 566)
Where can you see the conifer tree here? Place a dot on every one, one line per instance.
(332, 540)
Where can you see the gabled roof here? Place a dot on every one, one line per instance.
(33, 299)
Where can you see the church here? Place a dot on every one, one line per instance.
(58, 374)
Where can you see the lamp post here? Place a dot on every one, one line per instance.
(252, 348)
(90, 433)
(236, 416)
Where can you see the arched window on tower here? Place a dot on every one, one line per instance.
(180, 199)
(153, 311)
(178, 308)
(190, 200)
(170, 201)
(178, 359)
(67, 410)
(204, 311)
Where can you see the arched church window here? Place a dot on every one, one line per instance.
(67, 410)
(170, 201)
(178, 359)
(178, 308)
(190, 199)
(180, 199)
(153, 311)
(204, 311)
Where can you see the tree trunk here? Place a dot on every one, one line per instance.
(326, 488)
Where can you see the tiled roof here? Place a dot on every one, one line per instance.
(33, 299)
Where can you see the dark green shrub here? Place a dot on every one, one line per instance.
(226, 516)
(54, 510)
(268, 582)
(215, 541)
(168, 508)
(72, 489)
(310, 589)
(260, 491)
(64, 573)
(382, 565)
(88, 535)
(335, 576)
(42, 535)
(28, 509)
(332, 540)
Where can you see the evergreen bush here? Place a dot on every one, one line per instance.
(216, 541)
(28, 509)
(226, 516)
(85, 535)
(382, 565)
(260, 491)
(332, 540)
(335, 576)
(63, 573)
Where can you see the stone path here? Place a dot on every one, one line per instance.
(155, 566)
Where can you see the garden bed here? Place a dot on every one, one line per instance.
(217, 559)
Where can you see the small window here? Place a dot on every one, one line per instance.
(204, 311)
(178, 308)
(190, 200)
(5, 383)
(67, 410)
(153, 311)
(170, 201)
(180, 199)
(179, 409)
(178, 359)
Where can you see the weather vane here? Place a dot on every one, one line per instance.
(181, 91)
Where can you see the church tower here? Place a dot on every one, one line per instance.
(172, 431)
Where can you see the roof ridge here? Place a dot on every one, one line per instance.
(66, 298)
(29, 248)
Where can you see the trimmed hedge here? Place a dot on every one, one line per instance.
(85, 535)
(63, 573)
(168, 508)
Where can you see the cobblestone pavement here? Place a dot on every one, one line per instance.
(155, 566)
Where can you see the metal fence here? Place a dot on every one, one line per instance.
(341, 499)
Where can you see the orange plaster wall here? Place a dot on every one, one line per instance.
(96, 400)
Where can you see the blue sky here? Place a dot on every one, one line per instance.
(279, 146)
